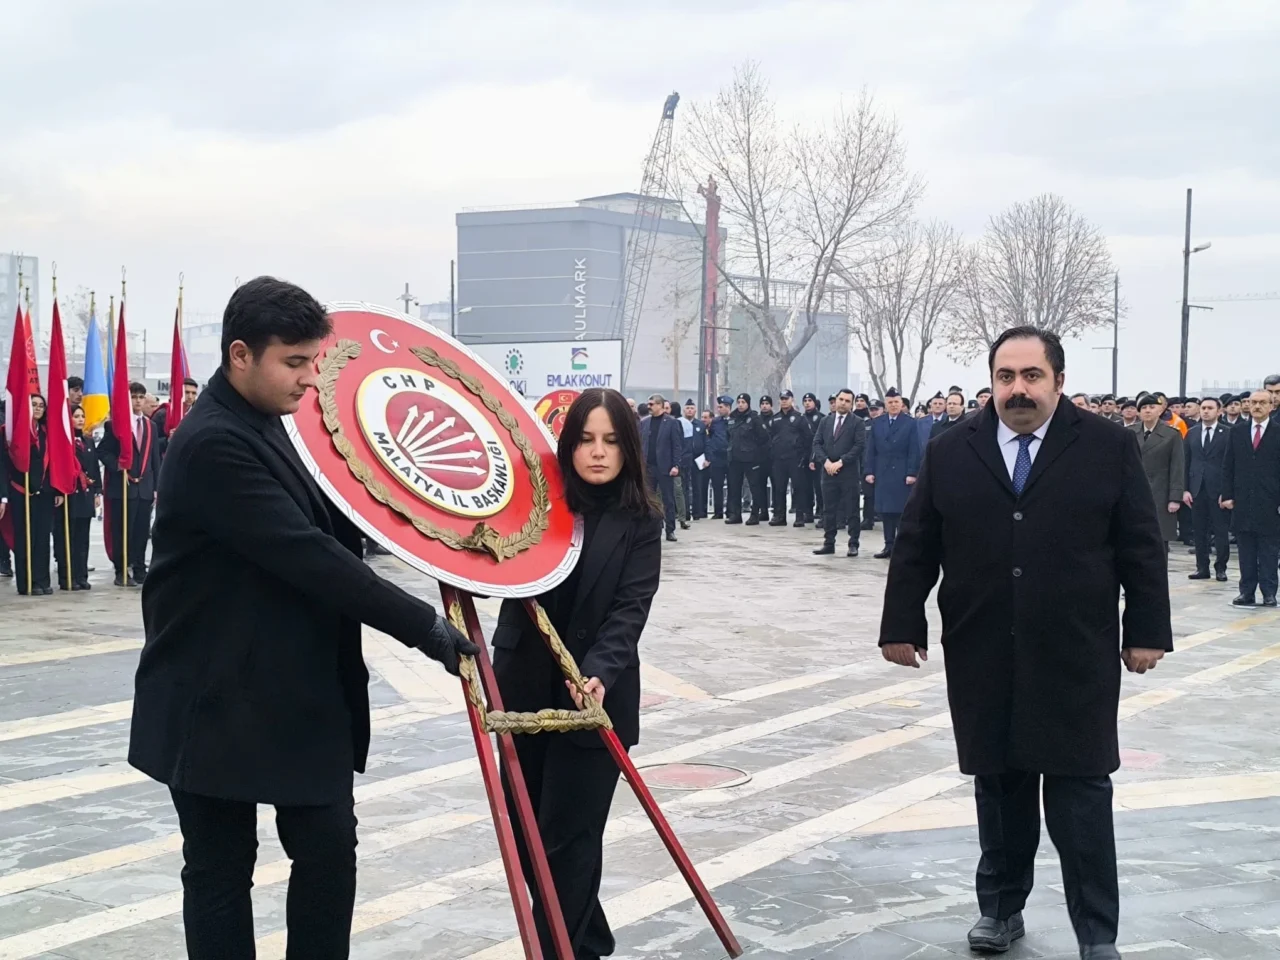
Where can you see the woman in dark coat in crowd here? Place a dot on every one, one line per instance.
(599, 612)
(81, 509)
(41, 506)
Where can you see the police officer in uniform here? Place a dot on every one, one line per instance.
(790, 448)
(766, 459)
(875, 408)
(718, 454)
(810, 483)
(748, 443)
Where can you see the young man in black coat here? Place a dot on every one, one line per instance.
(139, 490)
(1206, 447)
(1033, 562)
(1251, 491)
(251, 687)
(838, 450)
(663, 444)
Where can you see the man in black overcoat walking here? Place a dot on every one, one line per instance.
(1251, 491)
(1033, 561)
(837, 450)
(251, 687)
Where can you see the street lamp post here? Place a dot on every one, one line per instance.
(1187, 251)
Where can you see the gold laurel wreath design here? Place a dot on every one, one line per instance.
(592, 717)
(483, 538)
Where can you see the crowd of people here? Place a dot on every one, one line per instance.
(853, 464)
(37, 521)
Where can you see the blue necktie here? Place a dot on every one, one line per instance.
(1022, 465)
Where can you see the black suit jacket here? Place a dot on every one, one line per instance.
(620, 573)
(1251, 478)
(1204, 465)
(1032, 635)
(847, 448)
(142, 472)
(251, 685)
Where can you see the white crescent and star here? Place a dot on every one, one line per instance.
(374, 339)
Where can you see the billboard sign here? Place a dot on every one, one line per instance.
(538, 368)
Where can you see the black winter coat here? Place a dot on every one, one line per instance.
(790, 440)
(251, 685)
(1031, 630)
(620, 573)
(748, 438)
(1251, 479)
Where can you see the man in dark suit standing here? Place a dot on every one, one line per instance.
(1206, 446)
(251, 687)
(663, 443)
(140, 490)
(1032, 635)
(893, 460)
(1251, 491)
(837, 450)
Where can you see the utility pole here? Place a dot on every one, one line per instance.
(407, 298)
(1115, 340)
(453, 315)
(1186, 310)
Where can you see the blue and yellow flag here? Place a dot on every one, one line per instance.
(96, 403)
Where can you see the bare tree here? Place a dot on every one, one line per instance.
(905, 294)
(795, 206)
(1038, 263)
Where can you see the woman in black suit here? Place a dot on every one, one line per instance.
(81, 508)
(599, 612)
(40, 507)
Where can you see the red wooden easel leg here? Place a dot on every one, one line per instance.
(660, 824)
(520, 794)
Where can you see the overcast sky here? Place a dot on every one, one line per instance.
(331, 143)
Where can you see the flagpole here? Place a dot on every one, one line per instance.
(26, 501)
(66, 502)
(124, 473)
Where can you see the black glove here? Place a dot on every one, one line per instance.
(446, 643)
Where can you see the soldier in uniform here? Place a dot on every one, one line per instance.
(718, 454)
(810, 483)
(766, 459)
(748, 441)
(790, 449)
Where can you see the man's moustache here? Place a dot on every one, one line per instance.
(1019, 403)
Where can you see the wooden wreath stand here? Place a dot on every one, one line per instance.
(477, 681)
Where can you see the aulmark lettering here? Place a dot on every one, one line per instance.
(580, 298)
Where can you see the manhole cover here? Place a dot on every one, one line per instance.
(693, 776)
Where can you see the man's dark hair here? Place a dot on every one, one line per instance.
(956, 393)
(845, 390)
(1074, 395)
(1214, 400)
(633, 493)
(1052, 346)
(1272, 380)
(75, 383)
(190, 382)
(137, 389)
(266, 308)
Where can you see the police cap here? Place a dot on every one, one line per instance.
(725, 399)
(876, 404)
(746, 397)
(765, 398)
(811, 396)
(786, 395)
(891, 392)
(1149, 400)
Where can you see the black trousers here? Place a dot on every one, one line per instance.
(718, 475)
(890, 521)
(781, 474)
(751, 474)
(840, 498)
(806, 481)
(79, 547)
(1186, 524)
(219, 847)
(139, 534)
(868, 502)
(665, 486)
(571, 789)
(41, 537)
(1077, 811)
(1210, 522)
(1257, 563)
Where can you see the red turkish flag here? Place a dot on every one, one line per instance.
(64, 467)
(17, 405)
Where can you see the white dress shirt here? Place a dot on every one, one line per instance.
(1008, 441)
(1253, 427)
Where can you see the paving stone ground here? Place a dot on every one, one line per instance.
(852, 839)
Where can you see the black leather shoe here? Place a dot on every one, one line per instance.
(732, 519)
(684, 524)
(990, 935)
(852, 552)
(867, 525)
(6, 572)
(882, 555)
(799, 523)
(752, 521)
(119, 580)
(718, 516)
(826, 549)
(1266, 601)
(1099, 951)
(1243, 601)
(1221, 578)
(778, 522)
(1198, 575)
(818, 523)
(671, 538)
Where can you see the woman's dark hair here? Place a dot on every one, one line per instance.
(633, 494)
(266, 307)
(44, 417)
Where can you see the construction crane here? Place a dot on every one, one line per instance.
(643, 236)
(1239, 297)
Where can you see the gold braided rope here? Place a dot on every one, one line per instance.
(544, 721)
(483, 538)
